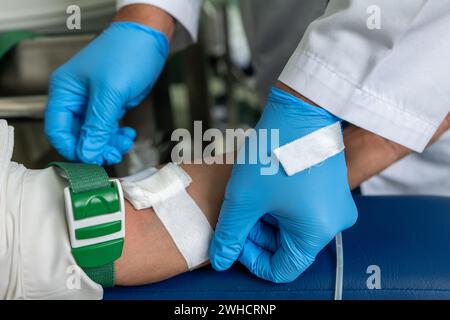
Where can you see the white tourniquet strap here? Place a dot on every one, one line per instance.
(311, 149)
(165, 191)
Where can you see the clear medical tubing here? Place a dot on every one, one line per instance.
(339, 267)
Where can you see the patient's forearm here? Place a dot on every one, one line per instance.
(150, 254)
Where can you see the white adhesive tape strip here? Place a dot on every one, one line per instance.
(141, 175)
(311, 149)
(165, 191)
(188, 227)
(151, 187)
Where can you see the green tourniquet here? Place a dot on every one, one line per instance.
(98, 230)
(97, 255)
(83, 177)
(93, 194)
(103, 275)
(96, 202)
(9, 40)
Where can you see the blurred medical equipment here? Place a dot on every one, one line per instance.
(200, 83)
(50, 16)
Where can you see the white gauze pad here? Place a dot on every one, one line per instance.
(311, 149)
(165, 191)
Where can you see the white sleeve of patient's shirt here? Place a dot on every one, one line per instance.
(382, 65)
(185, 12)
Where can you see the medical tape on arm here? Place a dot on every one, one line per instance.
(165, 191)
(309, 151)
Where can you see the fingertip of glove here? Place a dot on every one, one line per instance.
(219, 264)
(63, 144)
(128, 132)
(123, 143)
(127, 145)
(86, 156)
(220, 259)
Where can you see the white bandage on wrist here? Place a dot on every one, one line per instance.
(165, 191)
(311, 149)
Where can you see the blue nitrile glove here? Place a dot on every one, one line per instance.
(93, 90)
(277, 224)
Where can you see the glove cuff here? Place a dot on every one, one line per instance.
(160, 37)
(304, 109)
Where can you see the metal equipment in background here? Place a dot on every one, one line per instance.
(200, 83)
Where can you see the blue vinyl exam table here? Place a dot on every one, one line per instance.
(398, 249)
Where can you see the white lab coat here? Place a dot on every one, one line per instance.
(426, 173)
(393, 81)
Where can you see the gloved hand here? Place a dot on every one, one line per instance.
(93, 90)
(277, 224)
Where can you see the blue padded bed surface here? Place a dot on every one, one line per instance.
(407, 238)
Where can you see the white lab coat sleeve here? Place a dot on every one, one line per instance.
(185, 12)
(382, 65)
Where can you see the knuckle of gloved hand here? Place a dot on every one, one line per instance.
(294, 264)
(50, 133)
(222, 256)
(350, 219)
(283, 276)
(58, 75)
(329, 228)
(112, 87)
(281, 279)
(346, 218)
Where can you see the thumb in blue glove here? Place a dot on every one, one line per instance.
(302, 213)
(93, 90)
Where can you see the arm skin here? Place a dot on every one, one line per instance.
(148, 15)
(368, 154)
(150, 254)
